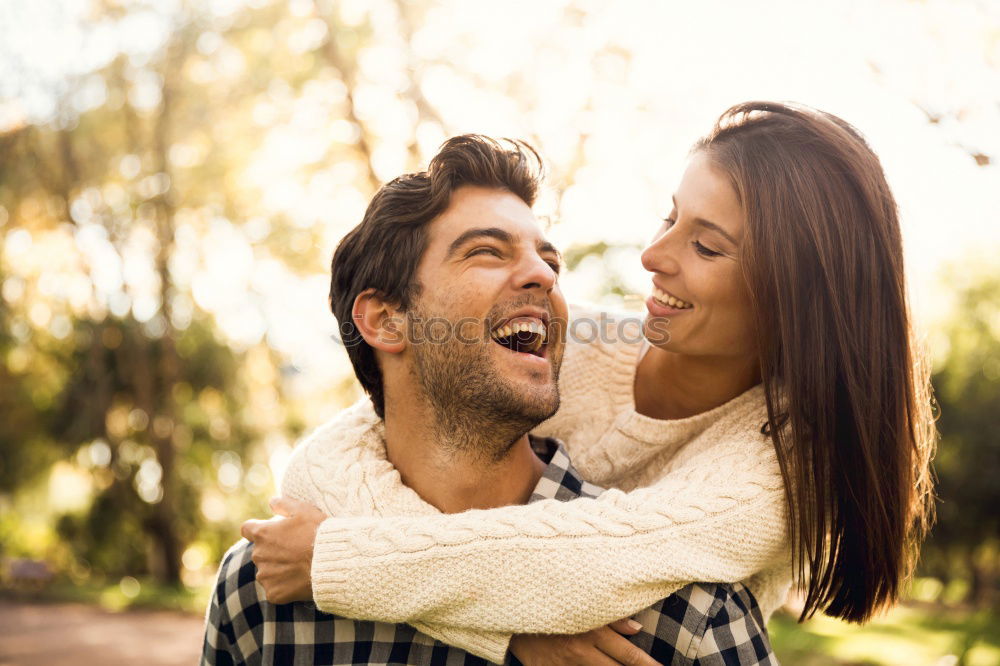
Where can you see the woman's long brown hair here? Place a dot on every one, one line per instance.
(847, 391)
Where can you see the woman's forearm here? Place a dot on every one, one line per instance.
(489, 645)
(552, 567)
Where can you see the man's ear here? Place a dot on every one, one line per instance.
(379, 322)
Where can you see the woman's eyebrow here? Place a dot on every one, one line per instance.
(715, 227)
(709, 225)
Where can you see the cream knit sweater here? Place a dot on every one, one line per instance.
(694, 499)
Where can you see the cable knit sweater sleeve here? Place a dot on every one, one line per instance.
(557, 567)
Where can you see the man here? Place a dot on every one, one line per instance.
(449, 304)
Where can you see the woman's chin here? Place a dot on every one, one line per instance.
(657, 332)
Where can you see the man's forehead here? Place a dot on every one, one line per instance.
(476, 208)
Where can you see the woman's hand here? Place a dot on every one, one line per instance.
(283, 549)
(599, 647)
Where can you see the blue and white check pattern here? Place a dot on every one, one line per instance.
(703, 624)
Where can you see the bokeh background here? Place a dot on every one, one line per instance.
(174, 177)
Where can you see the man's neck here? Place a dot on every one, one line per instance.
(456, 476)
(673, 386)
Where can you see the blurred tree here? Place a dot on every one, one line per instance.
(26, 451)
(119, 211)
(966, 539)
(107, 178)
(105, 403)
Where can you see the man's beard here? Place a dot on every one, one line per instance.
(478, 410)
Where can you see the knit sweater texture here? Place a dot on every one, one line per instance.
(698, 499)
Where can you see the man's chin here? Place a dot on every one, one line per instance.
(550, 409)
(538, 403)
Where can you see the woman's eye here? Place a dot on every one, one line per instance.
(668, 222)
(704, 251)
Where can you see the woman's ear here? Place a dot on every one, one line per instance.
(379, 322)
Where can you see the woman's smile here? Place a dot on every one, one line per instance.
(668, 300)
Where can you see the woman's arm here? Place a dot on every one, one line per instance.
(557, 567)
(283, 556)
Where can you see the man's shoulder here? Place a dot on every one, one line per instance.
(245, 628)
(329, 450)
(344, 430)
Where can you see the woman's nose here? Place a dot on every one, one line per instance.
(658, 257)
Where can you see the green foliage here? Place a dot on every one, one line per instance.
(576, 254)
(25, 450)
(100, 403)
(910, 635)
(144, 408)
(966, 539)
(108, 538)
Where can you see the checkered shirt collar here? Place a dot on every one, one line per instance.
(560, 480)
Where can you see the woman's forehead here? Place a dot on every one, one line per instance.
(706, 192)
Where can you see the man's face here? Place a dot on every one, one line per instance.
(487, 326)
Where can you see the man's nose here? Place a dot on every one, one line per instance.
(535, 273)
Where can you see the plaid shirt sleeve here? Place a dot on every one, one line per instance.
(735, 632)
(706, 624)
(702, 624)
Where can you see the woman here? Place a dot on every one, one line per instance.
(777, 422)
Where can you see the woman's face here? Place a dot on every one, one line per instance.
(699, 304)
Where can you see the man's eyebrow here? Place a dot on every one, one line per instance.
(546, 246)
(711, 225)
(473, 234)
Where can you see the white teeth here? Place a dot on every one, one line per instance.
(535, 327)
(670, 300)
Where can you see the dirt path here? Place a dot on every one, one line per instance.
(65, 634)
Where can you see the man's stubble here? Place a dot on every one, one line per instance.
(478, 410)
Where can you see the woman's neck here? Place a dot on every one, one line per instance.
(669, 385)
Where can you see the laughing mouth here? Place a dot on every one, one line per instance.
(522, 335)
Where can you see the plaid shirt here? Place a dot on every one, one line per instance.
(703, 624)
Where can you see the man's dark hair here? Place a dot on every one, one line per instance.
(383, 252)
